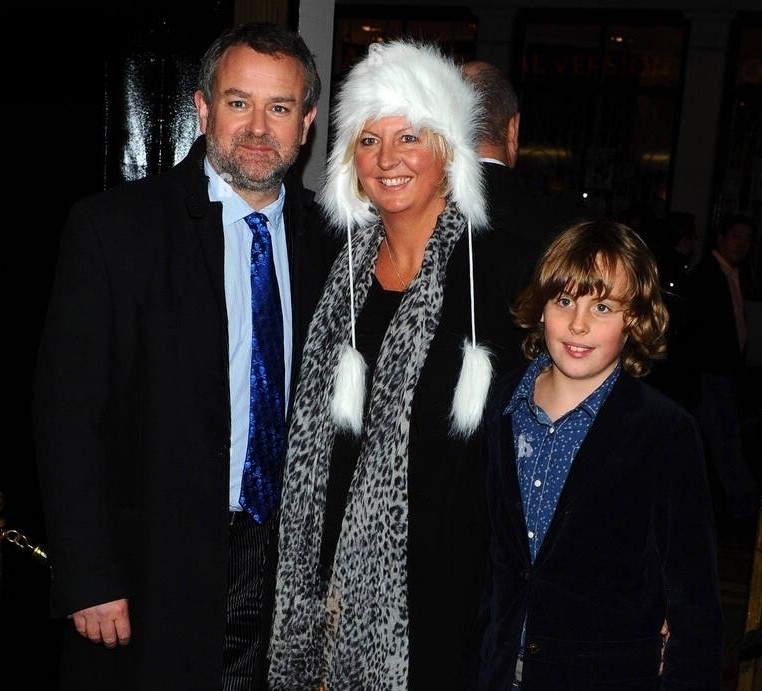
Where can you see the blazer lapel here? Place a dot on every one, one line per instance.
(510, 487)
(503, 460)
(611, 430)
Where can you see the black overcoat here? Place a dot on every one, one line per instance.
(132, 418)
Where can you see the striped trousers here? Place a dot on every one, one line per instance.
(251, 581)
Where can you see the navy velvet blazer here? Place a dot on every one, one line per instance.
(631, 542)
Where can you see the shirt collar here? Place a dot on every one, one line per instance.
(234, 208)
(525, 389)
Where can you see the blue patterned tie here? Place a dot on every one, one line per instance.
(260, 486)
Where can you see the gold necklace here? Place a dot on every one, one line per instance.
(394, 265)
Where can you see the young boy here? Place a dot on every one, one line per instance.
(599, 506)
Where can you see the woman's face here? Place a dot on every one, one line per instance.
(398, 168)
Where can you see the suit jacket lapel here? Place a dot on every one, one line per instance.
(206, 220)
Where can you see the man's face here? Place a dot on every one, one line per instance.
(734, 245)
(254, 124)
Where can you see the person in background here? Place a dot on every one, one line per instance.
(141, 396)
(514, 207)
(713, 346)
(600, 514)
(383, 531)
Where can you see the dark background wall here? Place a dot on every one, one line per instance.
(85, 84)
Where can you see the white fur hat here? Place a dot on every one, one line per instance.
(419, 82)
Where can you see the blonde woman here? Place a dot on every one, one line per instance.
(383, 530)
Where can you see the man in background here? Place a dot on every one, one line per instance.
(514, 207)
(713, 344)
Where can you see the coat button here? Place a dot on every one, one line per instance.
(525, 574)
(532, 648)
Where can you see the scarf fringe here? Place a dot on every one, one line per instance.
(348, 400)
(471, 391)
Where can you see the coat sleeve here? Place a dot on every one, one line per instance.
(693, 655)
(69, 407)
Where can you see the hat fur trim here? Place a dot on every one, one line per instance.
(419, 82)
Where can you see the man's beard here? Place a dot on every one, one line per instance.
(233, 168)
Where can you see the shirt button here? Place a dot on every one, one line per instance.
(537, 483)
(552, 429)
(531, 534)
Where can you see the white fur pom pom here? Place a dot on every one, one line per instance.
(471, 391)
(349, 390)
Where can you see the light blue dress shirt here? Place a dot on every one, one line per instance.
(237, 236)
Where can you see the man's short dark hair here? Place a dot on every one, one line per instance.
(737, 219)
(498, 96)
(270, 39)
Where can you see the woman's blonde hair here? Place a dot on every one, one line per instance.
(582, 260)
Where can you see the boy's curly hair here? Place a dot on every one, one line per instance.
(582, 260)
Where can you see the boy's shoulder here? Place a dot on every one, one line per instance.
(645, 399)
(633, 393)
(510, 379)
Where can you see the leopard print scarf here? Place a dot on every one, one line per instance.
(356, 637)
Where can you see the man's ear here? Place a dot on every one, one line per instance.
(309, 116)
(202, 110)
(512, 140)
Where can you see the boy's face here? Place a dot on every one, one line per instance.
(585, 335)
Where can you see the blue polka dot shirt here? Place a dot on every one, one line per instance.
(546, 449)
